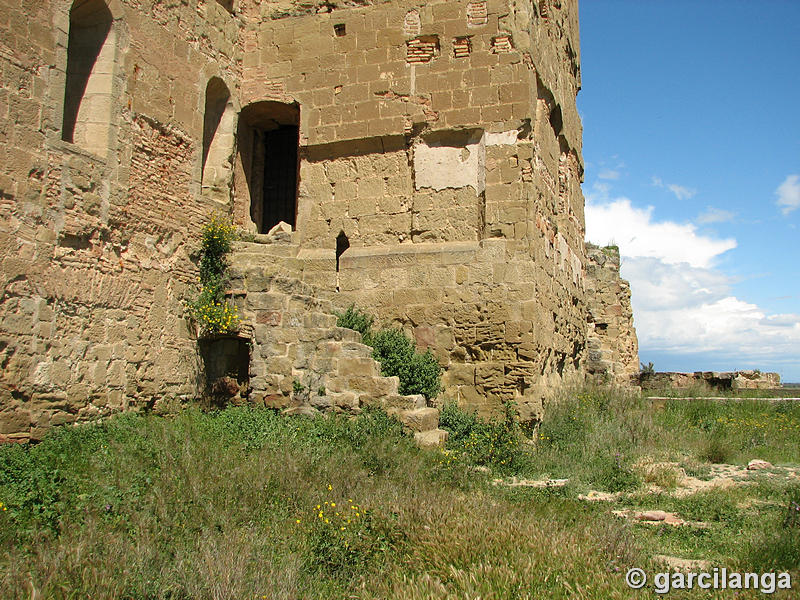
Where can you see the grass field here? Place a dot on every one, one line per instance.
(247, 504)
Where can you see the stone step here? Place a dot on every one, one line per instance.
(306, 303)
(259, 278)
(298, 338)
(254, 263)
(400, 402)
(258, 301)
(370, 387)
(345, 341)
(291, 285)
(347, 401)
(348, 366)
(282, 249)
(418, 419)
(319, 319)
(433, 438)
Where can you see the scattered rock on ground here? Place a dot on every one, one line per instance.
(282, 227)
(676, 563)
(595, 496)
(306, 411)
(534, 483)
(656, 517)
(756, 464)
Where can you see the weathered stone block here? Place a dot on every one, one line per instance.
(420, 419)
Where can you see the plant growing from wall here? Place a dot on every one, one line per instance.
(419, 372)
(213, 313)
(358, 320)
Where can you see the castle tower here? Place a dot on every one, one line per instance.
(426, 154)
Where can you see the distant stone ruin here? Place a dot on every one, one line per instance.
(613, 349)
(426, 156)
(718, 380)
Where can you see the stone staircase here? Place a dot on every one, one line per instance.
(300, 361)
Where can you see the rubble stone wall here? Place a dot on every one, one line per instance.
(613, 349)
(723, 380)
(96, 235)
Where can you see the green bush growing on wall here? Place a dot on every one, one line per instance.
(358, 320)
(419, 372)
(209, 308)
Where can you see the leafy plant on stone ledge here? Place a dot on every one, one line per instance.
(419, 372)
(209, 308)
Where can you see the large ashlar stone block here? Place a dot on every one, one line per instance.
(434, 438)
(461, 374)
(452, 159)
(420, 419)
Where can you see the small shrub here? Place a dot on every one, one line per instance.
(713, 506)
(792, 519)
(217, 236)
(663, 475)
(493, 443)
(212, 312)
(716, 450)
(779, 547)
(419, 373)
(612, 473)
(209, 308)
(345, 538)
(358, 320)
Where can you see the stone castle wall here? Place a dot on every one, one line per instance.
(613, 353)
(454, 175)
(96, 235)
(440, 140)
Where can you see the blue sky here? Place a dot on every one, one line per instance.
(692, 150)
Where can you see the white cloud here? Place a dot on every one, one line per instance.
(789, 194)
(784, 320)
(638, 235)
(726, 327)
(608, 174)
(715, 215)
(681, 192)
(682, 303)
(663, 286)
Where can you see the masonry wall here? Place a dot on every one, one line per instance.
(441, 138)
(443, 141)
(96, 235)
(613, 348)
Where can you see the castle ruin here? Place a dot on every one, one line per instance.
(427, 156)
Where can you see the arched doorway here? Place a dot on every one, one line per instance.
(268, 138)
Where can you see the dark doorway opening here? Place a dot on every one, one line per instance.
(280, 176)
(268, 139)
(226, 361)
